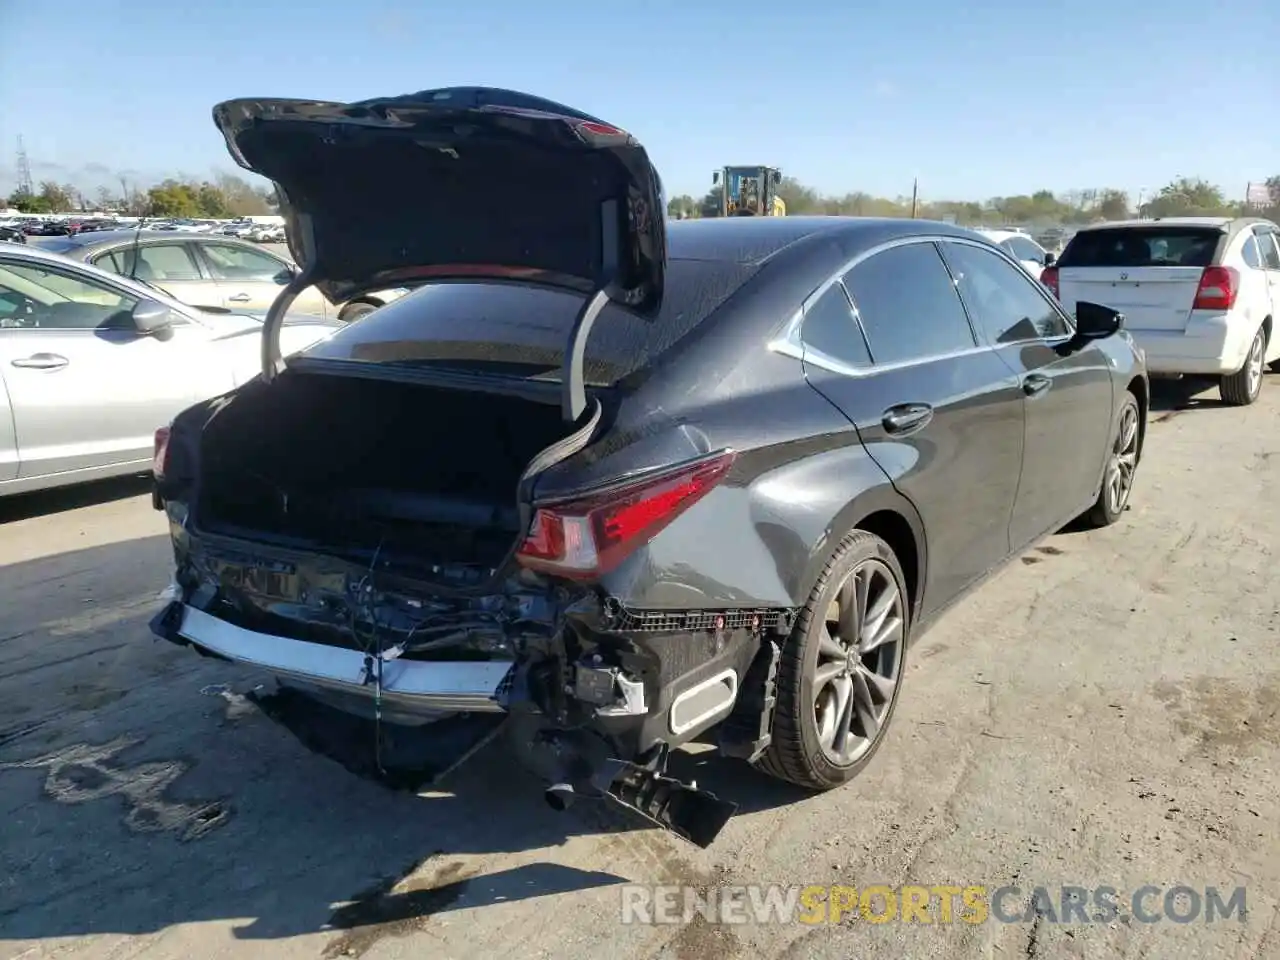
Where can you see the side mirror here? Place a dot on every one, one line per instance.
(776, 177)
(151, 318)
(1096, 322)
(1050, 259)
(285, 275)
(715, 178)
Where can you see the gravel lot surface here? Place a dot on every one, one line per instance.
(1105, 712)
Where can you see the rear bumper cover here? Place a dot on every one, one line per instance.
(433, 686)
(1212, 343)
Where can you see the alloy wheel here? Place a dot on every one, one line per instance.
(1254, 364)
(860, 657)
(1124, 461)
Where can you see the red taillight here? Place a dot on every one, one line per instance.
(1218, 289)
(600, 129)
(588, 537)
(1049, 277)
(161, 453)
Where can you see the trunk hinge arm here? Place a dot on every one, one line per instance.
(272, 362)
(573, 398)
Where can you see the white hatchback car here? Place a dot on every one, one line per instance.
(1033, 257)
(1200, 294)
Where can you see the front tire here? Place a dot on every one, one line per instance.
(1122, 464)
(842, 668)
(1242, 388)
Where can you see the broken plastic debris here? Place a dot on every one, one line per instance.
(215, 690)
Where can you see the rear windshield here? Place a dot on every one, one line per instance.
(1142, 247)
(523, 331)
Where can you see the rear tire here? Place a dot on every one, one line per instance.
(1242, 388)
(354, 311)
(1122, 463)
(835, 700)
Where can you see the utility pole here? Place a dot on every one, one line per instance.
(24, 170)
(915, 197)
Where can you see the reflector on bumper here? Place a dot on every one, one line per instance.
(437, 685)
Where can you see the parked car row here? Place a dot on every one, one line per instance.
(712, 474)
(260, 229)
(210, 270)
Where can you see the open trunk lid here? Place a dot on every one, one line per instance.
(1151, 274)
(490, 184)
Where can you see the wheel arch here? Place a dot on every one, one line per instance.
(1141, 391)
(884, 511)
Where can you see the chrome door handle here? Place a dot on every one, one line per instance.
(1036, 384)
(42, 361)
(906, 418)
(240, 298)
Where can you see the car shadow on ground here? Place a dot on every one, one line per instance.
(140, 787)
(1170, 397)
(25, 506)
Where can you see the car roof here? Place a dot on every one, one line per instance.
(756, 239)
(103, 238)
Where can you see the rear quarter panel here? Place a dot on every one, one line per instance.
(801, 481)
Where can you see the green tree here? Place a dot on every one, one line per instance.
(56, 197)
(172, 199)
(682, 207)
(212, 201)
(1113, 205)
(25, 201)
(241, 199)
(1189, 197)
(177, 198)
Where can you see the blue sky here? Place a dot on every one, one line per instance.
(983, 98)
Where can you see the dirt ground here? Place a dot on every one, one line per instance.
(1105, 712)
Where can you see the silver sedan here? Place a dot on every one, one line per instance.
(92, 363)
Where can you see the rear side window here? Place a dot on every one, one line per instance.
(523, 331)
(831, 328)
(1142, 247)
(908, 305)
(1270, 251)
(1250, 253)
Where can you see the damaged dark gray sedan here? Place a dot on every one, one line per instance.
(621, 483)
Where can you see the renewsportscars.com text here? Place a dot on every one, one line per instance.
(938, 903)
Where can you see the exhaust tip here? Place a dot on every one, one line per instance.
(560, 796)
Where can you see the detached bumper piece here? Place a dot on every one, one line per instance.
(696, 815)
(575, 762)
(432, 686)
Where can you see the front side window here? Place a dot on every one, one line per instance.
(1006, 304)
(235, 263)
(1024, 249)
(908, 305)
(36, 297)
